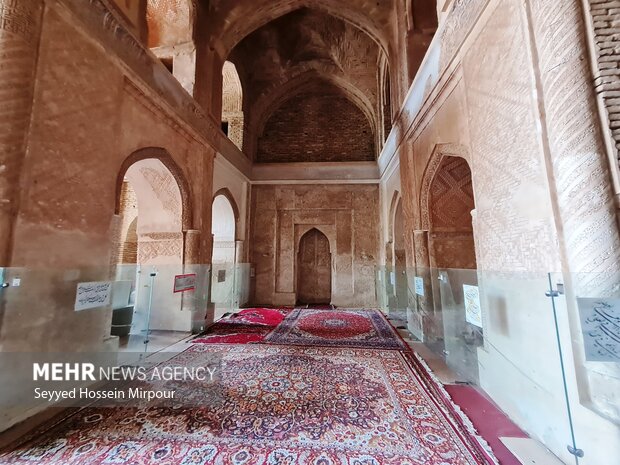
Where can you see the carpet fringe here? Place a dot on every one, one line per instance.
(467, 423)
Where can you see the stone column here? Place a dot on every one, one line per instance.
(20, 29)
(194, 301)
(191, 247)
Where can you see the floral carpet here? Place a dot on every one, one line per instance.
(247, 326)
(338, 328)
(261, 316)
(277, 405)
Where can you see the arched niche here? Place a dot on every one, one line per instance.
(314, 268)
(153, 203)
(446, 205)
(163, 156)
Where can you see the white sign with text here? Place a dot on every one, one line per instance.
(419, 285)
(92, 295)
(471, 298)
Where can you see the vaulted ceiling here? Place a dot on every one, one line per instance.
(302, 48)
(283, 49)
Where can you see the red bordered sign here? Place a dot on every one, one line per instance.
(184, 282)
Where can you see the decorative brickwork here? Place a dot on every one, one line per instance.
(20, 24)
(606, 21)
(304, 48)
(316, 127)
(169, 22)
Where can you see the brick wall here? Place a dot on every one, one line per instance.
(606, 20)
(316, 126)
(127, 248)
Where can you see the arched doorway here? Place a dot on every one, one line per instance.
(314, 269)
(398, 312)
(223, 228)
(452, 257)
(451, 203)
(151, 206)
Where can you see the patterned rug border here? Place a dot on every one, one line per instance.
(442, 399)
(419, 366)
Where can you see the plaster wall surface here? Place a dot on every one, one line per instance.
(347, 214)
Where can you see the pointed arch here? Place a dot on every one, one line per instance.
(257, 15)
(164, 157)
(432, 167)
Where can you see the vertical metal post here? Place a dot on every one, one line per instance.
(148, 315)
(572, 448)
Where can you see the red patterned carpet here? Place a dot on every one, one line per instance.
(261, 316)
(247, 326)
(339, 328)
(279, 405)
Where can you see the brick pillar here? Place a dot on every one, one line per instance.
(20, 29)
(191, 246)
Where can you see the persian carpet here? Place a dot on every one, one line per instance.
(279, 405)
(260, 316)
(247, 326)
(234, 338)
(342, 328)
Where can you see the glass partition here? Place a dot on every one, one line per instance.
(586, 307)
(497, 332)
(125, 309)
(106, 316)
(230, 287)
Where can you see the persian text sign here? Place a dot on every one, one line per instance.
(184, 282)
(600, 325)
(92, 295)
(471, 298)
(419, 285)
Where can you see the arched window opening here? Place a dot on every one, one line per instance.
(385, 101)
(421, 28)
(232, 104)
(224, 230)
(387, 105)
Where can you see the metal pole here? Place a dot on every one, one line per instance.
(573, 449)
(148, 315)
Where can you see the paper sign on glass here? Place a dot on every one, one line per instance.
(92, 295)
(471, 298)
(600, 325)
(184, 282)
(419, 285)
